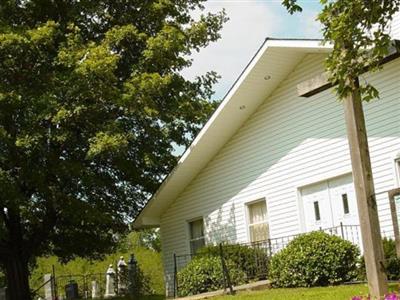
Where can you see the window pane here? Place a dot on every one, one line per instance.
(316, 211)
(258, 226)
(258, 212)
(345, 200)
(196, 245)
(259, 232)
(196, 229)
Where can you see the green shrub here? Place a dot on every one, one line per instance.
(314, 259)
(393, 268)
(252, 261)
(205, 274)
(392, 263)
(389, 248)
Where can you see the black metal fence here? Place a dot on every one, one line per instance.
(39, 291)
(59, 283)
(351, 233)
(84, 283)
(125, 282)
(255, 261)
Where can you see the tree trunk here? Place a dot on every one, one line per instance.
(17, 278)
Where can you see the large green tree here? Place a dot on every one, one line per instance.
(92, 102)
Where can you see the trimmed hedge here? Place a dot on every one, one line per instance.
(253, 261)
(205, 274)
(314, 259)
(392, 263)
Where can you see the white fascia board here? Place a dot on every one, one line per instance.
(300, 44)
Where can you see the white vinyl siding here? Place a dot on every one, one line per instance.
(395, 28)
(288, 143)
(258, 223)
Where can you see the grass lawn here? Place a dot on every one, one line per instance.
(343, 292)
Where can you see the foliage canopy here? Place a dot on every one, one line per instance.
(359, 31)
(92, 101)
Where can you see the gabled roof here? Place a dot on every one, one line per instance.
(272, 63)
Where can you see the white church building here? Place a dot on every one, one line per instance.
(270, 164)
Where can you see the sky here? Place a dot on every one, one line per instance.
(250, 22)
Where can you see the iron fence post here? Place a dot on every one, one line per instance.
(116, 279)
(85, 287)
(53, 283)
(227, 278)
(134, 275)
(175, 278)
(269, 247)
(342, 229)
(222, 264)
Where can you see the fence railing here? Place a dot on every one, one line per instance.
(83, 282)
(256, 266)
(125, 280)
(351, 233)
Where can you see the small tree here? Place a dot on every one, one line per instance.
(359, 31)
(91, 103)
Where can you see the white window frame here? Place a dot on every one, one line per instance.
(249, 224)
(397, 170)
(190, 239)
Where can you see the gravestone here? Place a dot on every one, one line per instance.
(122, 276)
(95, 289)
(3, 293)
(110, 283)
(48, 287)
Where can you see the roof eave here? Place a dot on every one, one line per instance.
(148, 219)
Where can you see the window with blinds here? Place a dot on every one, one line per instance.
(196, 231)
(258, 223)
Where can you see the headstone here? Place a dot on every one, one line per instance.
(48, 287)
(95, 289)
(122, 276)
(3, 293)
(110, 283)
(71, 290)
(133, 279)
